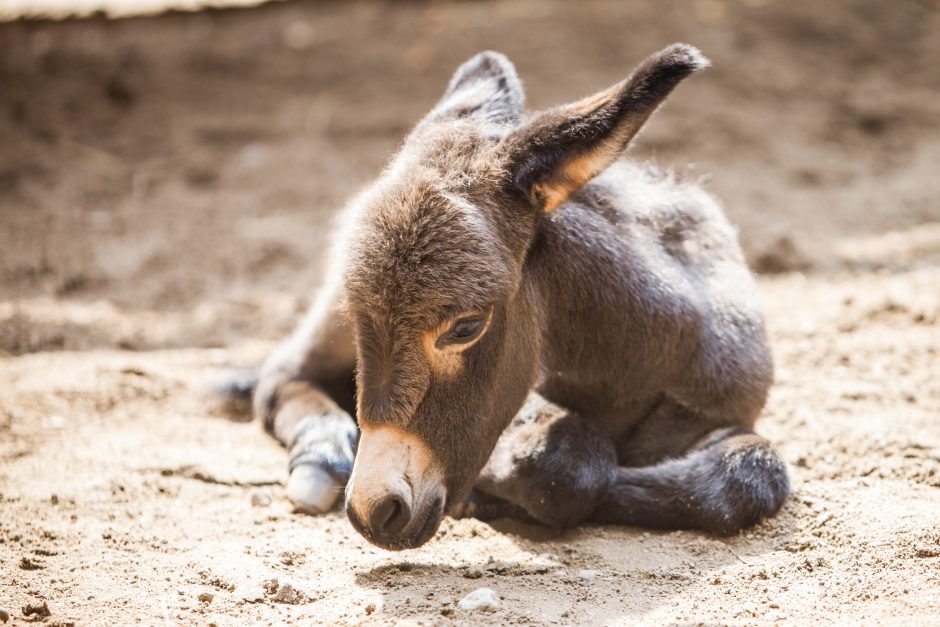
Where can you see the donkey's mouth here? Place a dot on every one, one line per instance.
(432, 521)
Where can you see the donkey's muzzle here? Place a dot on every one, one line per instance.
(395, 497)
(389, 516)
(391, 523)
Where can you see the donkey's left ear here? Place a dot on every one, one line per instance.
(562, 149)
(484, 89)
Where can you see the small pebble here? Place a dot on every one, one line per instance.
(483, 599)
(587, 575)
(250, 593)
(39, 611)
(206, 597)
(4, 615)
(261, 498)
(474, 572)
(290, 595)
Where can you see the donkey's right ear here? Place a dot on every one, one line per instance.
(485, 89)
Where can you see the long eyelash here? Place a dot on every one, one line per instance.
(463, 315)
(487, 316)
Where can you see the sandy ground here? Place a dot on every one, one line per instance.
(165, 189)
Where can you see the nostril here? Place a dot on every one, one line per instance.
(385, 512)
(390, 515)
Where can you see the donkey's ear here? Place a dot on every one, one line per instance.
(484, 89)
(562, 149)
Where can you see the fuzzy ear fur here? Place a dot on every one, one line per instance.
(484, 89)
(562, 149)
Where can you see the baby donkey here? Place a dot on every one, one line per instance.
(524, 325)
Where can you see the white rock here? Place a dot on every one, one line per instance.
(482, 599)
(249, 593)
(587, 575)
(312, 489)
(261, 498)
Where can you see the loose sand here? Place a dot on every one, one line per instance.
(165, 186)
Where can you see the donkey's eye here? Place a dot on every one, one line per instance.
(464, 330)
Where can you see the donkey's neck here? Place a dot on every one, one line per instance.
(601, 322)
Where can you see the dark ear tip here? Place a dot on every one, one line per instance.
(684, 57)
(487, 62)
(491, 56)
(483, 65)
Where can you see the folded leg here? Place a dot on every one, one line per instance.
(729, 480)
(552, 466)
(304, 398)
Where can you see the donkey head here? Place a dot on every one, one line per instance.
(447, 324)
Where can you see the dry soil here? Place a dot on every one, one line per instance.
(166, 184)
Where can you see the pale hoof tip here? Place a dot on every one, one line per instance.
(312, 490)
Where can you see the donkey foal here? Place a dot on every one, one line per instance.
(524, 325)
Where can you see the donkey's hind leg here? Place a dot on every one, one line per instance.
(730, 480)
(549, 465)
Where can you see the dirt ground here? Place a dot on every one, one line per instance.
(166, 184)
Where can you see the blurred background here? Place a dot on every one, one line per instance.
(169, 180)
(167, 184)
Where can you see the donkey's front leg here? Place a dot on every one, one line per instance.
(299, 397)
(549, 465)
(321, 439)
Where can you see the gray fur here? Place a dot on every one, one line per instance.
(622, 308)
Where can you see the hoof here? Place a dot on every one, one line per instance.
(312, 489)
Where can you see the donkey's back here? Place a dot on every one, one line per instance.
(652, 297)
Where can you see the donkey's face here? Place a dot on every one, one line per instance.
(447, 319)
